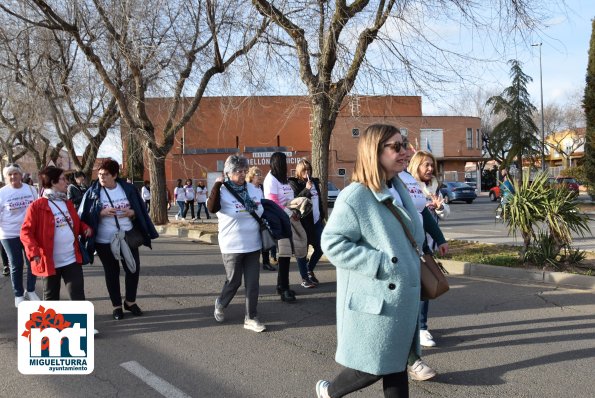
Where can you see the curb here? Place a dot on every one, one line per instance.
(453, 267)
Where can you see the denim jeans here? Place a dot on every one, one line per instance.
(181, 205)
(423, 314)
(200, 206)
(17, 259)
(306, 266)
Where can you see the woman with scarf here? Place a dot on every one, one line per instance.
(237, 205)
(112, 207)
(50, 236)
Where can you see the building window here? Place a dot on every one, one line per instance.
(355, 132)
(478, 138)
(469, 138)
(220, 165)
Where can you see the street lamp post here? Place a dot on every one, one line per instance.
(542, 120)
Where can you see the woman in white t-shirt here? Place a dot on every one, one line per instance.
(189, 202)
(50, 236)
(276, 188)
(15, 198)
(237, 205)
(201, 199)
(180, 198)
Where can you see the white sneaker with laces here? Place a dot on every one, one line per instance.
(322, 389)
(18, 300)
(426, 339)
(219, 314)
(32, 296)
(420, 371)
(254, 325)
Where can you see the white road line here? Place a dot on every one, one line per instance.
(483, 230)
(154, 381)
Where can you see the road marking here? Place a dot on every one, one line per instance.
(483, 230)
(154, 381)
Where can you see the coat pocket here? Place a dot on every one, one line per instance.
(365, 303)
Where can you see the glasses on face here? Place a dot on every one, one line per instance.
(257, 174)
(397, 146)
(241, 171)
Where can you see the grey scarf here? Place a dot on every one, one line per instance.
(50, 194)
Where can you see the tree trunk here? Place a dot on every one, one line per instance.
(323, 121)
(158, 187)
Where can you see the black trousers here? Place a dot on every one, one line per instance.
(395, 385)
(73, 280)
(283, 273)
(189, 204)
(111, 267)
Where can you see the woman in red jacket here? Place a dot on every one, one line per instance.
(50, 236)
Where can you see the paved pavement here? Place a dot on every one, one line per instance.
(495, 338)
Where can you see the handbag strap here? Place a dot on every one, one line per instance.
(239, 198)
(395, 212)
(111, 203)
(66, 218)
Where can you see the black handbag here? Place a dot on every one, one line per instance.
(134, 237)
(85, 255)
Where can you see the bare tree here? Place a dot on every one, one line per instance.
(162, 46)
(393, 42)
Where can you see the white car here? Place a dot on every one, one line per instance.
(332, 193)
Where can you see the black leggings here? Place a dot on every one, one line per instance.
(283, 273)
(395, 385)
(111, 266)
(73, 280)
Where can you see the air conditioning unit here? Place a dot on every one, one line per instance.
(355, 132)
(341, 172)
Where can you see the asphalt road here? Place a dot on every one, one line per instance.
(477, 222)
(495, 338)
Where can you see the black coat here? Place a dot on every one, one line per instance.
(277, 219)
(300, 190)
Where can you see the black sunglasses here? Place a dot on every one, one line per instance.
(397, 146)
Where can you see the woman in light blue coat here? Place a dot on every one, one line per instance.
(378, 281)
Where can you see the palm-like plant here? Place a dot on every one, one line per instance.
(562, 217)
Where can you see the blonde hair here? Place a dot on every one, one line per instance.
(301, 166)
(417, 160)
(368, 170)
(252, 172)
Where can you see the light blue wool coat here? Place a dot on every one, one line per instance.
(378, 281)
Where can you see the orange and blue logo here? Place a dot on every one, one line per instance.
(56, 337)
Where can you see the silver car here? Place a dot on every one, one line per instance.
(332, 192)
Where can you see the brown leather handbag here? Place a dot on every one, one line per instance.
(433, 282)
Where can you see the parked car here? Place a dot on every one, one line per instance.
(457, 191)
(332, 193)
(568, 183)
(495, 193)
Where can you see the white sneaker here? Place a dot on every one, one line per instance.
(219, 314)
(419, 371)
(426, 339)
(18, 300)
(95, 331)
(32, 296)
(177, 217)
(254, 325)
(322, 389)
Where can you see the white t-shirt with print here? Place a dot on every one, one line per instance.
(63, 236)
(315, 203)
(417, 195)
(13, 206)
(201, 194)
(239, 232)
(189, 192)
(274, 190)
(180, 194)
(107, 225)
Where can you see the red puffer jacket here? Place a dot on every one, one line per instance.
(37, 235)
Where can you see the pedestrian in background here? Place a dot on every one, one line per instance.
(235, 202)
(15, 198)
(254, 177)
(378, 278)
(189, 199)
(110, 206)
(5, 263)
(145, 193)
(276, 188)
(77, 189)
(305, 185)
(180, 198)
(50, 236)
(201, 199)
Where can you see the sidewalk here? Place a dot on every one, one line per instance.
(550, 278)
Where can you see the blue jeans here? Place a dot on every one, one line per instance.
(17, 259)
(306, 266)
(200, 206)
(181, 205)
(423, 314)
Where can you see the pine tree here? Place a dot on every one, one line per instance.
(589, 105)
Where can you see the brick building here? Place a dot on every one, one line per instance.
(258, 126)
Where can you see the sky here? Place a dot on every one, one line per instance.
(564, 54)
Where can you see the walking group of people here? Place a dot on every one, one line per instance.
(57, 231)
(186, 194)
(381, 321)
